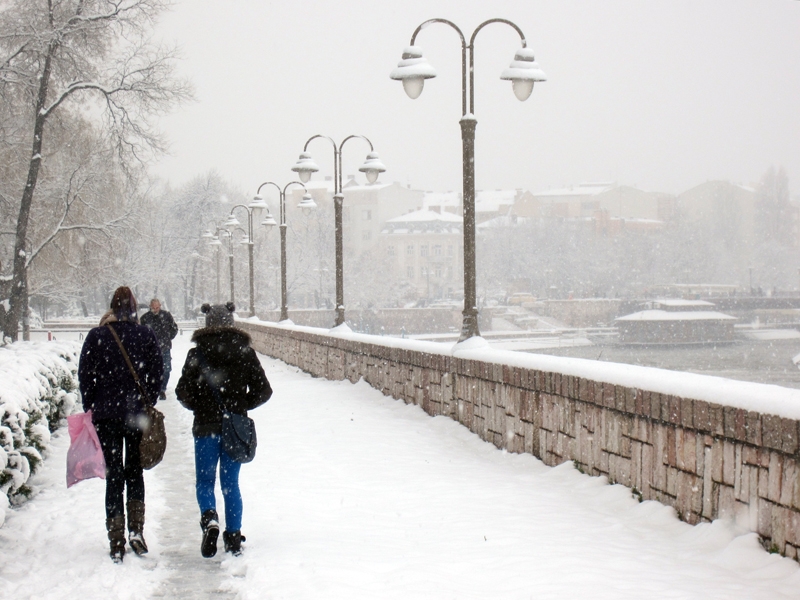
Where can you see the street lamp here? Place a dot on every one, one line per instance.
(254, 210)
(372, 167)
(215, 241)
(307, 203)
(523, 72)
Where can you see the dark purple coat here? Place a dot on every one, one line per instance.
(106, 383)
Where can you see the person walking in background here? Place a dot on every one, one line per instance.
(165, 328)
(111, 393)
(222, 370)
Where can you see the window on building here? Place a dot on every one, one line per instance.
(437, 250)
(410, 272)
(410, 250)
(438, 272)
(367, 214)
(366, 235)
(423, 271)
(423, 250)
(390, 250)
(450, 250)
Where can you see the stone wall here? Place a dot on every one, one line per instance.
(705, 459)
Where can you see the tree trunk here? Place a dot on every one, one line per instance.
(19, 281)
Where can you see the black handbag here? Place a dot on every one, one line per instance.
(154, 433)
(239, 438)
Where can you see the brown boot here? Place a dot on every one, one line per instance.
(136, 526)
(116, 538)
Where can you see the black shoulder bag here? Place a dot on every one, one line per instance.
(238, 438)
(154, 434)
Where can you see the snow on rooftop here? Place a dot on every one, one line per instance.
(426, 216)
(441, 199)
(582, 189)
(502, 221)
(485, 200)
(357, 187)
(681, 302)
(663, 315)
(494, 200)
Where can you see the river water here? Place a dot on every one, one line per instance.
(757, 360)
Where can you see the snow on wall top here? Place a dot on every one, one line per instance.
(758, 397)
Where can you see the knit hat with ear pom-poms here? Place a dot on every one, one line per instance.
(219, 315)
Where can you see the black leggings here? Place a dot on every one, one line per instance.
(112, 433)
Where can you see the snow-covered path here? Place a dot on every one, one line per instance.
(355, 495)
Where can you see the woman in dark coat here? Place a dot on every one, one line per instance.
(221, 370)
(110, 392)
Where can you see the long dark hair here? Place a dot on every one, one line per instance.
(123, 305)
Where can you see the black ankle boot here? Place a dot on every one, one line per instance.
(136, 527)
(116, 538)
(209, 523)
(233, 541)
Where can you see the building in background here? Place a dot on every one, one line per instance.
(676, 321)
(425, 248)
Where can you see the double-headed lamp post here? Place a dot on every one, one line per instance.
(523, 72)
(307, 204)
(372, 167)
(253, 213)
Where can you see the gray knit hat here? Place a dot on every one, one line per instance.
(219, 315)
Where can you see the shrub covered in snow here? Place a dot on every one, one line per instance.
(39, 389)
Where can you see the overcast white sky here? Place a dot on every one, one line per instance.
(661, 94)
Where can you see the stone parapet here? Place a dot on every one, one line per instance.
(700, 456)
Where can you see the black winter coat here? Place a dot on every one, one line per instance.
(163, 325)
(107, 386)
(223, 361)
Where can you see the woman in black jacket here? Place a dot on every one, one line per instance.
(221, 370)
(110, 392)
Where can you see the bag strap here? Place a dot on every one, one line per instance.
(130, 365)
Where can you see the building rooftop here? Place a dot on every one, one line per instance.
(664, 315)
(582, 189)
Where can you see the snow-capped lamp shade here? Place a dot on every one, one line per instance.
(304, 167)
(269, 220)
(413, 70)
(257, 206)
(523, 72)
(372, 167)
(215, 241)
(307, 203)
(207, 234)
(231, 223)
(245, 241)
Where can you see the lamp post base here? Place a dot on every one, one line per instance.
(469, 325)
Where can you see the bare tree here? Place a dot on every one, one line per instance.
(59, 56)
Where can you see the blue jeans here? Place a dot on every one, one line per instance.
(166, 354)
(207, 453)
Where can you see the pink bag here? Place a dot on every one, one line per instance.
(85, 457)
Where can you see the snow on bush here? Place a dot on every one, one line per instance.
(39, 389)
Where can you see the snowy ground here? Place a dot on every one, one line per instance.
(354, 495)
